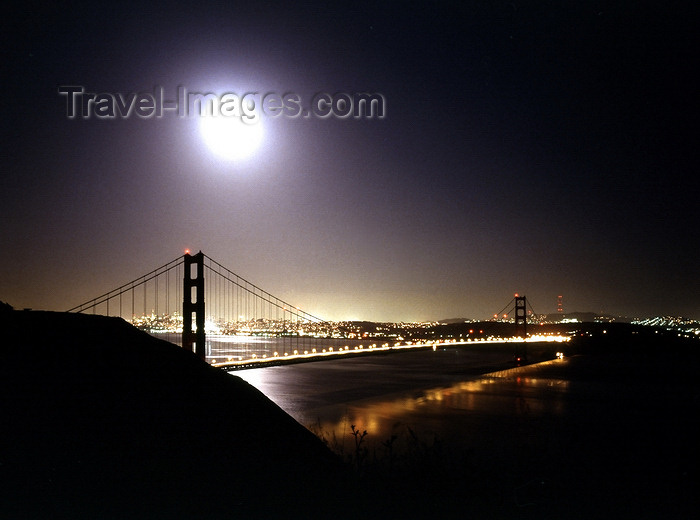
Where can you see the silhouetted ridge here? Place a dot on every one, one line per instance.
(100, 418)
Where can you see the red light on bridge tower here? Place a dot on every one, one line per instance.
(560, 306)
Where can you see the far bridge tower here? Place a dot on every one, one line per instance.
(521, 328)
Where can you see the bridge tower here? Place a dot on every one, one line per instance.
(193, 305)
(520, 327)
(520, 316)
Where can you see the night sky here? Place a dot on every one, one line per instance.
(544, 148)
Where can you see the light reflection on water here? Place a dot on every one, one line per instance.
(467, 411)
(446, 413)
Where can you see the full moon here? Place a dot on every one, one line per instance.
(229, 137)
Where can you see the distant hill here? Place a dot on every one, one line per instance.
(586, 317)
(100, 420)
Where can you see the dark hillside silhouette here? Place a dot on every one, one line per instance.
(102, 420)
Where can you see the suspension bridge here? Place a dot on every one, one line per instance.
(197, 303)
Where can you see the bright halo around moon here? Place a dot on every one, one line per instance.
(229, 137)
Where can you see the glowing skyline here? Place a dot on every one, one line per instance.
(524, 148)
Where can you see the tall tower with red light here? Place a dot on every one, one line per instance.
(193, 304)
(560, 305)
(520, 328)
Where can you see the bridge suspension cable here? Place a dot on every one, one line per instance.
(236, 320)
(247, 322)
(509, 309)
(106, 298)
(229, 276)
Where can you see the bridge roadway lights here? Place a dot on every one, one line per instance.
(197, 337)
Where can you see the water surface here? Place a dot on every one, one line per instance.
(440, 394)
